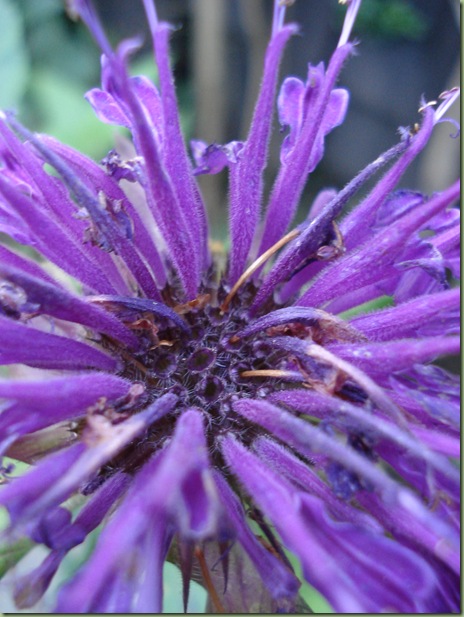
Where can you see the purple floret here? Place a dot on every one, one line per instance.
(232, 414)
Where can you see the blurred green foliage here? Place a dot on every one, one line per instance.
(47, 63)
(390, 19)
(14, 61)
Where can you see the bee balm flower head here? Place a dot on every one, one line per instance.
(223, 417)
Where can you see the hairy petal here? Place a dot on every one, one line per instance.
(439, 315)
(302, 521)
(22, 343)
(246, 176)
(373, 259)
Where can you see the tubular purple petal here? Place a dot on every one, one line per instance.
(395, 356)
(439, 310)
(100, 182)
(352, 417)
(286, 464)
(59, 303)
(21, 343)
(112, 237)
(293, 174)
(327, 537)
(316, 232)
(370, 262)
(230, 411)
(176, 159)
(276, 576)
(246, 184)
(355, 226)
(31, 409)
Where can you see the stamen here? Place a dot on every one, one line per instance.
(257, 264)
(425, 105)
(448, 97)
(208, 581)
(127, 356)
(280, 7)
(152, 17)
(85, 10)
(294, 375)
(350, 18)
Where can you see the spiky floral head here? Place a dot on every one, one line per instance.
(222, 416)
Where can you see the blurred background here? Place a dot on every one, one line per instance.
(407, 49)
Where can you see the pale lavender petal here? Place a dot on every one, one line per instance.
(212, 158)
(334, 115)
(107, 108)
(290, 109)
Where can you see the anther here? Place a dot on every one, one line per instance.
(257, 264)
(424, 107)
(293, 375)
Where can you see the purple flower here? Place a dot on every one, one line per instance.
(222, 417)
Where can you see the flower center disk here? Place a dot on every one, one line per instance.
(205, 365)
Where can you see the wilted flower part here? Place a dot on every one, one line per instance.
(219, 419)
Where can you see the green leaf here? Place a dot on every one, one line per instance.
(67, 116)
(367, 307)
(14, 65)
(11, 554)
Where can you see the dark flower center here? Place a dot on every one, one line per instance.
(206, 366)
